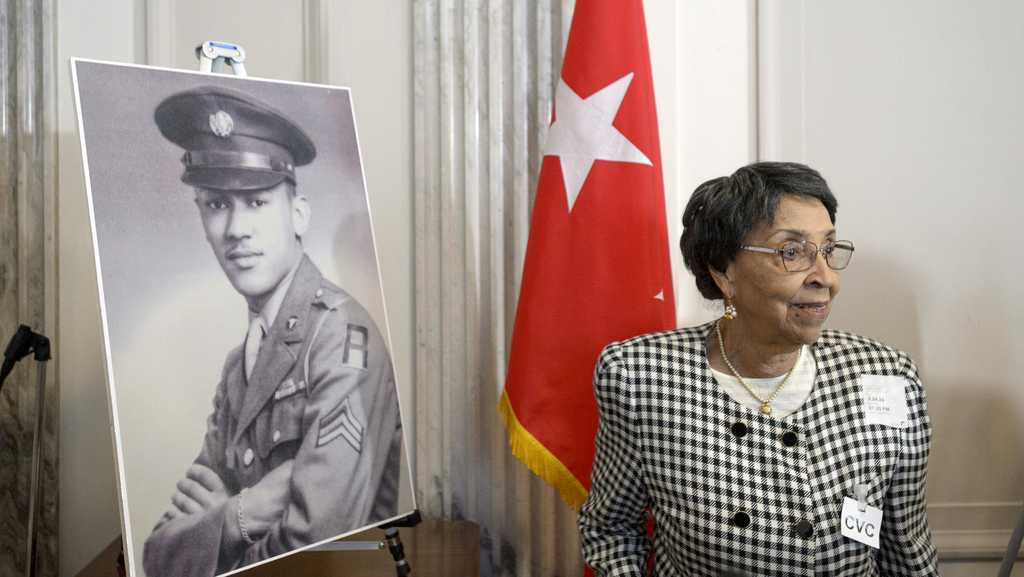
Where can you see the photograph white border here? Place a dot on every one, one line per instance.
(127, 533)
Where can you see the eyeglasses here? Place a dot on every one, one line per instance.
(799, 255)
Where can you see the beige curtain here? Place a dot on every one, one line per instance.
(485, 73)
(27, 265)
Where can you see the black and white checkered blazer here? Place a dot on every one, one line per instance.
(735, 492)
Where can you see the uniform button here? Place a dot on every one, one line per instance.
(247, 457)
(319, 293)
(277, 436)
(790, 439)
(741, 520)
(739, 429)
(804, 529)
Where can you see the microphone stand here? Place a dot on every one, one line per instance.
(394, 541)
(23, 343)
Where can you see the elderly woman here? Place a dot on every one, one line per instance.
(761, 443)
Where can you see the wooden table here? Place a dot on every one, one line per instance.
(433, 549)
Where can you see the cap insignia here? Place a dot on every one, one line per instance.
(221, 124)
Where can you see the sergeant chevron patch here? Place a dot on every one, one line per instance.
(341, 423)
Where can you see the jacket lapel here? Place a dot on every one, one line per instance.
(280, 348)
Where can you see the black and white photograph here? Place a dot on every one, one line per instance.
(252, 390)
(515, 288)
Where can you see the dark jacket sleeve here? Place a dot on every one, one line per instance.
(906, 547)
(349, 425)
(187, 546)
(612, 521)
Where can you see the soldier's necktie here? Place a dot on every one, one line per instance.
(253, 340)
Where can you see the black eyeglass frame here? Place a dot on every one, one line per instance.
(824, 250)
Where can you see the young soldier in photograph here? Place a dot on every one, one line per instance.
(304, 439)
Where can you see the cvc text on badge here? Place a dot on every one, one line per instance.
(856, 524)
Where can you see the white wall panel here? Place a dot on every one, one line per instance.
(713, 129)
(912, 111)
(271, 32)
(89, 518)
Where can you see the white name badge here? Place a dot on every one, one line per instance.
(885, 400)
(863, 526)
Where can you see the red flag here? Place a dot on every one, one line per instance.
(597, 262)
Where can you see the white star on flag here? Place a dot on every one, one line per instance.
(583, 132)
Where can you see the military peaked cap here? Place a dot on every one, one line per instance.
(232, 141)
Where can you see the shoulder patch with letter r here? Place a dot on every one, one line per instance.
(341, 423)
(357, 352)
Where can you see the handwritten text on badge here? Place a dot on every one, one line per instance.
(885, 400)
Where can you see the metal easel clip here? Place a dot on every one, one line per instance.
(214, 56)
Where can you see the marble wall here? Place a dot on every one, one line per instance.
(27, 288)
(484, 76)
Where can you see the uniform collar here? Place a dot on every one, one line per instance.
(281, 346)
(270, 309)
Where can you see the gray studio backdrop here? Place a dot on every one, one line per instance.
(171, 315)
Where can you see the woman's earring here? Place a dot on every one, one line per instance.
(730, 311)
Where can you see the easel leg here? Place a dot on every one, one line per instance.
(394, 542)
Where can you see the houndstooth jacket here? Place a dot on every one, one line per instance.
(735, 492)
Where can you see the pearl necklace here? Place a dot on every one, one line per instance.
(766, 404)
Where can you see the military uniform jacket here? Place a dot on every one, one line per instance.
(322, 395)
(763, 497)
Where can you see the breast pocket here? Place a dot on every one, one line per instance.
(282, 435)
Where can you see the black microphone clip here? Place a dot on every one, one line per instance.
(22, 344)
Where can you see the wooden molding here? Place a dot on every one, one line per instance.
(973, 530)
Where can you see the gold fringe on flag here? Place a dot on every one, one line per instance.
(539, 459)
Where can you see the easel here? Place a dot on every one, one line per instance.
(215, 57)
(391, 539)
